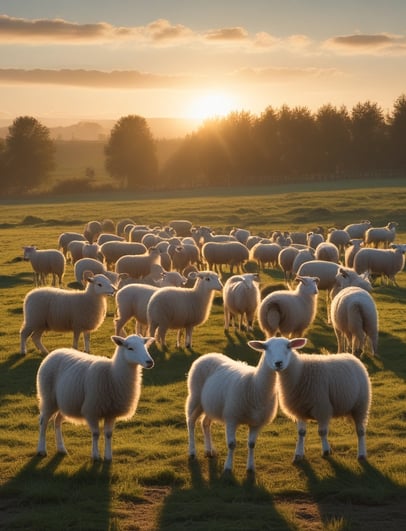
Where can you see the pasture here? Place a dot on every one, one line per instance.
(151, 485)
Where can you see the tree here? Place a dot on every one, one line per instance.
(131, 153)
(397, 130)
(369, 140)
(29, 155)
(333, 138)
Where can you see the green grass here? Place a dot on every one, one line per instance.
(151, 484)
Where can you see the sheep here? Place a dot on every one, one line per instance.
(289, 312)
(205, 234)
(375, 236)
(285, 261)
(132, 301)
(67, 237)
(92, 230)
(340, 238)
(233, 393)
(182, 308)
(75, 250)
(354, 317)
(182, 227)
(298, 237)
(304, 255)
(241, 235)
(265, 254)
(92, 250)
(241, 297)
(314, 238)
(113, 250)
(355, 245)
(222, 253)
(109, 237)
(121, 224)
(63, 310)
(357, 230)
(325, 271)
(138, 266)
(347, 277)
(183, 254)
(384, 262)
(319, 387)
(327, 251)
(96, 267)
(86, 388)
(45, 262)
(108, 225)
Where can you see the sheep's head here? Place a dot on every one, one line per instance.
(135, 349)
(278, 350)
(308, 284)
(101, 284)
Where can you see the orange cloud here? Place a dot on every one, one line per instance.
(379, 43)
(226, 34)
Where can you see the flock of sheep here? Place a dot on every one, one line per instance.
(166, 279)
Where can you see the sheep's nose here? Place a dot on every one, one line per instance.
(278, 365)
(149, 364)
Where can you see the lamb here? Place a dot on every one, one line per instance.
(132, 301)
(241, 297)
(63, 310)
(265, 254)
(319, 387)
(357, 230)
(231, 392)
(138, 266)
(67, 237)
(384, 262)
(222, 253)
(86, 388)
(113, 250)
(289, 312)
(375, 236)
(354, 317)
(182, 308)
(45, 262)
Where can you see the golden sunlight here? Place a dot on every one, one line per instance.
(211, 105)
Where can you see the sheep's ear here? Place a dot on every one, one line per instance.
(257, 345)
(192, 275)
(148, 341)
(88, 276)
(118, 340)
(298, 342)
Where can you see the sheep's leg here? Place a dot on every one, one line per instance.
(86, 340)
(226, 319)
(252, 439)
(301, 434)
(108, 436)
(36, 338)
(94, 428)
(188, 336)
(361, 433)
(323, 433)
(208, 444)
(231, 429)
(60, 445)
(43, 424)
(193, 412)
(24, 335)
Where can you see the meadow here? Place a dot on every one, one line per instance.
(151, 484)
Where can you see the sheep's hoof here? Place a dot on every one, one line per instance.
(192, 457)
(362, 458)
(62, 451)
(327, 453)
(210, 453)
(297, 458)
(41, 453)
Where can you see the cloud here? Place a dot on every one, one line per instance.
(374, 44)
(282, 75)
(227, 34)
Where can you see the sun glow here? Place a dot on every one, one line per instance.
(211, 105)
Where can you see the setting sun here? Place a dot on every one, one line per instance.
(211, 105)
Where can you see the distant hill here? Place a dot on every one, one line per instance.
(100, 129)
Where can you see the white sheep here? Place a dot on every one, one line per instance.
(232, 253)
(92, 250)
(376, 236)
(233, 393)
(241, 235)
(96, 267)
(84, 388)
(285, 261)
(347, 277)
(92, 230)
(138, 266)
(121, 224)
(63, 310)
(75, 250)
(113, 250)
(182, 308)
(383, 262)
(265, 254)
(355, 317)
(289, 312)
(45, 262)
(340, 238)
(355, 245)
(182, 227)
(319, 387)
(357, 230)
(304, 255)
(67, 237)
(327, 251)
(109, 237)
(132, 301)
(314, 238)
(241, 297)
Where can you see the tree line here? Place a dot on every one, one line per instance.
(279, 145)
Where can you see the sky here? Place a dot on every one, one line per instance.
(96, 59)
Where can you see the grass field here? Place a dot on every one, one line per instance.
(151, 485)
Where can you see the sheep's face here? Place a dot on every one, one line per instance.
(210, 279)
(136, 349)
(278, 350)
(101, 284)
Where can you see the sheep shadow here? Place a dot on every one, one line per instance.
(219, 500)
(42, 495)
(19, 279)
(364, 496)
(17, 374)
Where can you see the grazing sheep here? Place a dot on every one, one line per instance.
(67, 237)
(327, 251)
(233, 393)
(234, 254)
(75, 250)
(96, 267)
(45, 262)
(92, 250)
(63, 310)
(319, 387)
(354, 317)
(383, 262)
(138, 266)
(84, 388)
(241, 297)
(304, 255)
(109, 237)
(92, 230)
(375, 236)
(357, 230)
(314, 238)
(265, 254)
(285, 261)
(289, 312)
(182, 227)
(132, 301)
(351, 251)
(340, 238)
(113, 250)
(182, 308)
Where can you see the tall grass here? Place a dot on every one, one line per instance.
(151, 484)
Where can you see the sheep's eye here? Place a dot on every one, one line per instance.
(207, 279)
(99, 284)
(130, 348)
